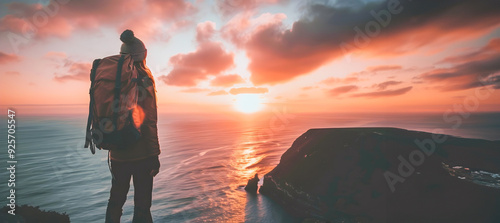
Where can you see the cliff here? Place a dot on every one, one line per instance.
(30, 214)
(387, 175)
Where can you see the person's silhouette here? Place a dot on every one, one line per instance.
(139, 160)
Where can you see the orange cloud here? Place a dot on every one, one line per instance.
(191, 68)
(383, 68)
(217, 93)
(241, 27)
(477, 69)
(384, 85)
(248, 90)
(386, 93)
(55, 55)
(60, 18)
(194, 90)
(307, 88)
(227, 80)
(205, 31)
(35, 20)
(493, 47)
(329, 31)
(342, 90)
(347, 80)
(8, 58)
(228, 7)
(210, 59)
(12, 73)
(76, 71)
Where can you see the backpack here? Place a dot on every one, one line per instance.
(113, 104)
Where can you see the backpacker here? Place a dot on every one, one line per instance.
(113, 104)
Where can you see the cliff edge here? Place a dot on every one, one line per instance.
(387, 175)
(30, 214)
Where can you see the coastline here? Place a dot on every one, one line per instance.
(347, 174)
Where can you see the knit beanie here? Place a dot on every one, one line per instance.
(132, 45)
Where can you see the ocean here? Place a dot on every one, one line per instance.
(206, 160)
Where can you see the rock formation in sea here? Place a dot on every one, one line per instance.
(252, 184)
(387, 175)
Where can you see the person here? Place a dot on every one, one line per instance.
(139, 160)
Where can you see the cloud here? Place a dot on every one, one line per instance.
(384, 85)
(228, 7)
(241, 27)
(69, 70)
(493, 47)
(329, 31)
(189, 69)
(183, 76)
(358, 76)
(209, 59)
(248, 90)
(55, 55)
(76, 72)
(227, 80)
(383, 68)
(385, 93)
(61, 18)
(355, 77)
(194, 90)
(494, 80)
(36, 20)
(334, 80)
(12, 73)
(8, 58)
(217, 93)
(342, 90)
(477, 69)
(205, 31)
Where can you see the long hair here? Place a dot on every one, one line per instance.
(143, 69)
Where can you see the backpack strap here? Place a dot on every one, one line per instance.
(88, 136)
(118, 89)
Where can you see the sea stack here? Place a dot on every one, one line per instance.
(252, 184)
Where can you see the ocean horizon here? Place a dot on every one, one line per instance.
(206, 161)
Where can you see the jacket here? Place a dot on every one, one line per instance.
(148, 144)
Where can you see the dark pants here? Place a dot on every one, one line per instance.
(120, 184)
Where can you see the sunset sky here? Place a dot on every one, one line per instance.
(223, 55)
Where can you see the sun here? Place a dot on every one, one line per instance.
(248, 103)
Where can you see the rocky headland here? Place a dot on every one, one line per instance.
(387, 175)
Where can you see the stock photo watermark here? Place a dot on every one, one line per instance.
(33, 23)
(372, 28)
(11, 162)
(427, 147)
(278, 122)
